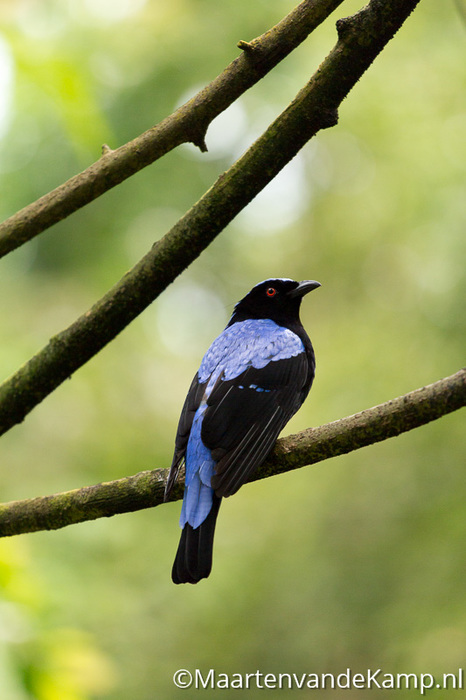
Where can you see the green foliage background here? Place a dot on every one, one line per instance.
(355, 563)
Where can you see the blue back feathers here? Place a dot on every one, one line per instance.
(251, 343)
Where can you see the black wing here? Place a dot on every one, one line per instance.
(190, 406)
(246, 414)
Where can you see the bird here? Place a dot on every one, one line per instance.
(253, 378)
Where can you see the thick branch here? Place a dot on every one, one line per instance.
(188, 124)
(361, 38)
(146, 489)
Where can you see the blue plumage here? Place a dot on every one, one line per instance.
(252, 379)
(197, 500)
(251, 343)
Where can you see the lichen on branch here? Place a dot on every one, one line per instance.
(146, 489)
(314, 108)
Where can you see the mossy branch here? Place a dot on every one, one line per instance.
(361, 38)
(146, 489)
(189, 123)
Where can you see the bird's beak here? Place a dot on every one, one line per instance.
(304, 288)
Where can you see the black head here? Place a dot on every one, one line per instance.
(278, 299)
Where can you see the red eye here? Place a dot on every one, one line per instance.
(271, 291)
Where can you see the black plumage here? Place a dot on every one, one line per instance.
(252, 379)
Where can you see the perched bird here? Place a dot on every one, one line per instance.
(252, 379)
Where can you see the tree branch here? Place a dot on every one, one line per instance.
(146, 489)
(361, 38)
(189, 123)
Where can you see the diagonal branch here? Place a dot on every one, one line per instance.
(188, 124)
(361, 38)
(146, 489)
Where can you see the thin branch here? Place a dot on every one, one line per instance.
(146, 489)
(361, 38)
(188, 124)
